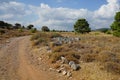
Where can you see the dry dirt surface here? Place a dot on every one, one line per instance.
(15, 64)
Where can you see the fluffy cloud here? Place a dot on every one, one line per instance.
(58, 18)
(107, 11)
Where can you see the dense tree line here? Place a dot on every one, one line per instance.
(5, 25)
(18, 26)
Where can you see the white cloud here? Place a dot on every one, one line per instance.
(42, 5)
(58, 18)
(108, 10)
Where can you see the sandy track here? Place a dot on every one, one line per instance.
(15, 65)
(26, 71)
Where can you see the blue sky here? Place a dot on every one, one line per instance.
(76, 4)
(59, 14)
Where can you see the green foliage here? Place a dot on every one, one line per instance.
(116, 25)
(117, 16)
(108, 32)
(97, 33)
(30, 26)
(5, 25)
(53, 35)
(2, 31)
(45, 29)
(104, 30)
(20, 30)
(33, 30)
(82, 26)
(116, 33)
(53, 30)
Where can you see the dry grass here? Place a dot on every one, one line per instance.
(43, 38)
(112, 67)
(12, 33)
(93, 50)
(70, 56)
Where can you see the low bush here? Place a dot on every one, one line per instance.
(33, 30)
(116, 33)
(20, 30)
(88, 57)
(105, 56)
(70, 56)
(112, 67)
(38, 42)
(108, 32)
(2, 31)
(43, 37)
(63, 48)
(39, 35)
(53, 35)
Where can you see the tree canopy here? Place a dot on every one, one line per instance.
(45, 29)
(30, 26)
(81, 26)
(116, 25)
(5, 25)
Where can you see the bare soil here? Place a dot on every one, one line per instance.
(16, 63)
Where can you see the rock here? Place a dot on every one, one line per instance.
(59, 71)
(58, 43)
(77, 39)
(62, 66)
(39, 58)
(7, 41)
(48, 48)
(75, 66)
(69, 74)
(64, 60)
(64, 72)
(71, 62)
(51, 69)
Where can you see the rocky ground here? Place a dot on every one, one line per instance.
(21, 61)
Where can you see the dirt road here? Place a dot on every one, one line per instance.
(15, 65)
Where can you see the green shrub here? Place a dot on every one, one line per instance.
(45, 29)
(35, 37)
(38, 42)
(108, 32)
(97, 33)
(116, 33)
(20, 30)
(33, 30)
(53, 35)
(2, 31)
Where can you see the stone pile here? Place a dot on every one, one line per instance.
(72, 64)
(62, 69)
(64, 40)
